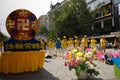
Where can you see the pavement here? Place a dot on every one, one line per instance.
(54, 69)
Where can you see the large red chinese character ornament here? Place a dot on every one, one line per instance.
(22, 25)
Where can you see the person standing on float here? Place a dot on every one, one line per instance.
(64, 45)
(93, 42)
(84, 42)
(103, 42)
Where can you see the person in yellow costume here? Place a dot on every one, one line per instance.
(51, 47)
(51, 44)
(64, 42)
(77, 42)
(115, 44)
(70, 42)
(64, 45)
(103, 42)
(84, 42)
(93, 42)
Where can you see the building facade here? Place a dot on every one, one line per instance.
(50, 14)
(42, 20)
(116, 10)
(106, 14)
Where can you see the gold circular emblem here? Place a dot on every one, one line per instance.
(22, 25)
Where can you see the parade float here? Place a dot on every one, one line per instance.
(22, 51)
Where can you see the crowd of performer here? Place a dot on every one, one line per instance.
(60, 46)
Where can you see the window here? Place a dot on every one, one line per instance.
(98, 13)
(97, 27)
(115, 1)
(107, 25)
(116, 10)
(107, 10)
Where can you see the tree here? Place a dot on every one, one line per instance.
(52, 35)
(43, 30)
(73, 18)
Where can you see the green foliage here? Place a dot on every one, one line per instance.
(77, 73)
(3, 37)
(84, 67)
(96, 73)
(52, 35)
(93, 71)
(73, 18)
(43, 30)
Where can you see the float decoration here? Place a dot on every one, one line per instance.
(22, 25)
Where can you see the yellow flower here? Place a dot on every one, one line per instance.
(79, 54)
(93, 51)
(74, 50)
(77, 58)
(69, 61)
(95, 57)
(83, 58)
(69, 52)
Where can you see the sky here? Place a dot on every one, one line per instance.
(37, 7)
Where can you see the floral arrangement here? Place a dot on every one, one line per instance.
(81, 60)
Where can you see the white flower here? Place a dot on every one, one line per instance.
(87, 62)
(88, 54)
(95, 62)
(91, 66)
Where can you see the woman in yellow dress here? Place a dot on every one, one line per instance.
(64, 42)
(64, 45)
(103, 42)
(70, 42)
(84, 42)
(77, 42)
(51, 45)
(115, 44)
(93, 42)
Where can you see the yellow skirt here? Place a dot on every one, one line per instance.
(17, 62)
